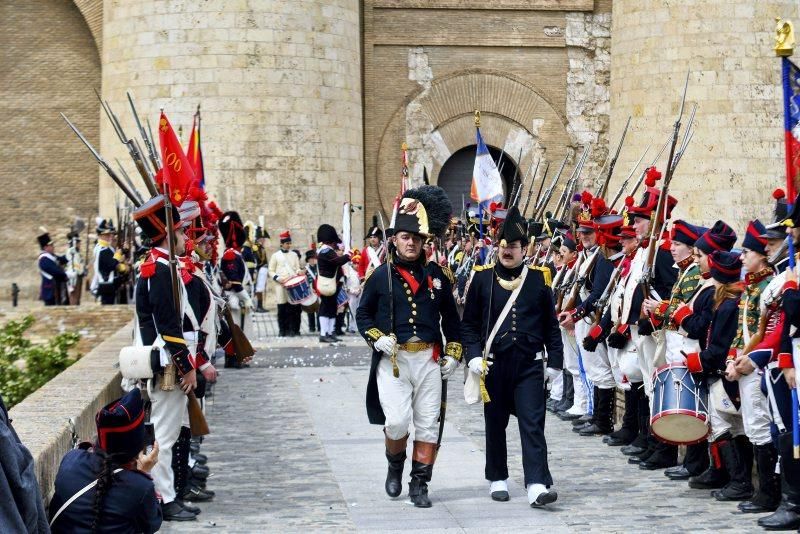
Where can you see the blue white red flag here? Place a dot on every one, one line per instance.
(791, 108)
(487, 185)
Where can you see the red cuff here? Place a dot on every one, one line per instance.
(680, 315)
(625, 330)
(201, 358)
(661, 309)
(789, 284)
(596, 332)
(693, 362)
(785, 361)
(731, 355)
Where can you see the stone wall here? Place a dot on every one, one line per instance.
(50, 65)
(428, 65)
(280, 88)
(735, 158)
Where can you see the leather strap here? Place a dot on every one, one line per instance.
(503, 314)
(77, 495)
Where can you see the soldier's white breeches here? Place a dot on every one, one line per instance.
(614, 358)
(755, 409)
(596, 364)
(239, 300)
(722, 422)
(414, 397)
(261, 279)
(646, 350)
(571, 364)
(556, 379)
(168, 414)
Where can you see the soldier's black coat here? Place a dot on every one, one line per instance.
(426, 314)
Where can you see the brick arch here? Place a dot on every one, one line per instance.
(92, 11)
(514, 115)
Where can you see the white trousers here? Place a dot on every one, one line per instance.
(556, 380)
(261, 279)
(414, 397)
(614, 358)
(352, 301)
(722, 422)
(646, 350)
(168, 414)
(580, 399)
(755, 409)
(676, 343)
(596, 364)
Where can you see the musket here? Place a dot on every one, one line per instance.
(624, 183)
(128, 181)
(148, 141)
(538, 210)
(103, 164)
(515, 183)
(604, 187)
(150, 133)
(563, 201)
(660, 214)
(530, 187)
(642, 175)
(133, 148)
(602, 303)
(393, 355)
(539, 191)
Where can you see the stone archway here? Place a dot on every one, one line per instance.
(455, 176)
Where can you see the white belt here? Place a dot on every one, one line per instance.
(776, 415)
(190, 336)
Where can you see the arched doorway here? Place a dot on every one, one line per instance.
(456, 174)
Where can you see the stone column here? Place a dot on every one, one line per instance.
(280, 88)
(735, 158)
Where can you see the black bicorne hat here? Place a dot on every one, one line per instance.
(514, 228)
(374, 230)
(327, 234)
(44, 239)
(152, 218)
(425, 211)
(105, 226)
(232, 229)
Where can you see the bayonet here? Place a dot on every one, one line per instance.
(148, 142)
(624, 183)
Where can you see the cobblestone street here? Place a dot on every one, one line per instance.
(291, 450)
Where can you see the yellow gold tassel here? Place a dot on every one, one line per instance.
(393, 359)
(484, 392)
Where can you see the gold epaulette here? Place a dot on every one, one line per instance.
(449, 274)
(479, 268)
(546, 273)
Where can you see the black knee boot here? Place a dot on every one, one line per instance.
(715, 476)
(630, 422)
(735, 454)
(421, 472)
(639, 444)
(787, 516)
(568, 395)
(180, 461)
(603, 419)
(396, 455)
(768, 496)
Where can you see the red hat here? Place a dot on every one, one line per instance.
(627, 232)
(286, 237)
(649, 204)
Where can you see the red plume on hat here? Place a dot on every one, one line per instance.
(598, 207)
(586, 197)
(652, 176)
(778, 194)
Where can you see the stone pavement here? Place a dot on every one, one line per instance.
(291, 451)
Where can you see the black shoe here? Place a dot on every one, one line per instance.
(632, 450)
(621, 437)
(200, 472)
(786, 517)
(175, 512)
(750, 507)
(594, 430)
(194, 509)
(663, 457)
(394, 476)
(711, 478)
(195, 494)
(734, 491)
(566, 416)
(200, 458)
(547, 497)
(261, 309)
(578, 428)
(418, 486)
(678, 473)
(500, 496)
(582, 420)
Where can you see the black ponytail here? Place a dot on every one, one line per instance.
(104, 482)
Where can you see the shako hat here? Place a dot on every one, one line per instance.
(719, 237)
(776, 229)
(374, 230)
(105, 226)
(686, 233)
(44, 238)
(120, 426)
(724, 266)
(152, 218)
(753, 239)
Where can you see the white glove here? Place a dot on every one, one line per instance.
(476, 366)
(385, 344)
(448, 367)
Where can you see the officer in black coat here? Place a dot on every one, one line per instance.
(516, 382)
(329, 263)
(403, 323)
(51, 268)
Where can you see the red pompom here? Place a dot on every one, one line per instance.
(778, 194)
(229, 255)
(650, 182)
(493, 206)
(652, 173)
(586, 197)
(629, 201)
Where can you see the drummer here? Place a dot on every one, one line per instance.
(283, 265)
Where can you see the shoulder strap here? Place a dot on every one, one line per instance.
(504, 313)
(77, 495)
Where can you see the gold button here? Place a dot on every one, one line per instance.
(411, 320)
(409, 299)
(514, 328)
(413, 312)
(405, 284)
(414, 305)
(408, 291)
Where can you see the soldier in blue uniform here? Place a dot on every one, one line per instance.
(403, 323)
(51, 268)
(515, 382)
(121, 497)
(109, 264)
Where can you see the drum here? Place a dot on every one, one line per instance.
(341, 300)
(299, 291)
(679, 412)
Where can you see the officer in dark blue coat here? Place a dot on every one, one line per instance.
(515, 384)
(54, 278)
(124, 498)
(403, 323)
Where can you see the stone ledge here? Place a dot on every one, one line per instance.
(42, 419)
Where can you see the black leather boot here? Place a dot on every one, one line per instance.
(587, 420)
(713, 477)
(768, 496)
(180, 460)
(787, 516)
(567, 395)
(421, 472)
(603, 421)
(664, 456)
(396, 455)
(734, 458)
(630, 423)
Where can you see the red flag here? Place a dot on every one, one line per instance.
(194, 154)
(177, 173)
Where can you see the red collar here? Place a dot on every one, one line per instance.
(409, 279)
(754, 278)
(685, 263)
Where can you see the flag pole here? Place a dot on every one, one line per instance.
(784, 48)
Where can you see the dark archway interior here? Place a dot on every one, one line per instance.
(456, 174)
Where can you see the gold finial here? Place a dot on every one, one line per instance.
(477, 118)
(404, 146)
(784, 37)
